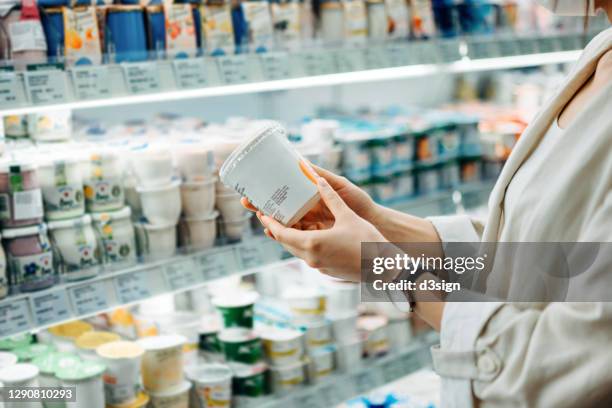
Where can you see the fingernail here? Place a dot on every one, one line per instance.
(322, 182)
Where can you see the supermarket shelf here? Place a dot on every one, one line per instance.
(63, 302)
(374, 373)
(154, 81)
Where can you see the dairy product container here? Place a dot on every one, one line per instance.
(117, 235)
(249, 380)
(20, 375)
(355, 22)
(286, 22)
(87, 378)
(161, 205)
(318, 334)
(237, 229)
(4, 282)
(375, 329)
(287, 377)
(26, 354)
(198, 198)
(195, 162)
(241, 345)
(229, 206)
(259, 23)
(212, 385)
(321, 363)
(16, 126)
(102, 180)
(199, 232)
(61, 182)
(282, 346)
(332, 21)
(20, 196)
(307, 304)
(180, 31)
(349, 353)
(125, 33)
(51, 126)
(88, 342)
(162, 362)
(7, 359)
(156, 242)
(398, 14)
(122, 375)
(152, 167)
(237, 309)
(377, 19)
(82, 38)
(344, 326)
(217, 29)
(48, 364)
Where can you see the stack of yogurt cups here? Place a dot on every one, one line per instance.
(242, 346)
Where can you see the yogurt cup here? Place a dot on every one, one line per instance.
(236, 230)
(212, 385)
(65, 334)
(287, 377)
(375, 329)
(51, 126)
(20, 375)
(318, 334)
(117, 235)
(241, 345)
(399, 333)
(306, 304)
(272, 175)
(198, 197)
(104, 194)
(48, 364)
(177, 397)
(7, 359)
(88, 342)
(28, 353)
(236, 309)
(156, 242)
(161, 205)
(249, 380)
(321, 363)
(87, 378)
(199, 232)
(122, 376)
(61, 182)
(20, 194)
(282, 346)
(195, 163)
(152, 167)
(344, 326)
(162, 362)
(342, 296)
(349, 354)
(229, 206)
(141, 401)
(13, 342)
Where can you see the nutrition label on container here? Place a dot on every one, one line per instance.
(91, 82)
(14, 317)
(133, 286)
(89, 298)
(49, 307)
(8, 89)
(141, 77)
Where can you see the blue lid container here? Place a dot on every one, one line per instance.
(52, 20)
(197, 23)
(125, 34)
(156, 28)
(241, 29)
(53, 3)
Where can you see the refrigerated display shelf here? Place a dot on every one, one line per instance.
(374, 372)
(51, 86)
(35, 310)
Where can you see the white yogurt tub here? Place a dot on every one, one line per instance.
(282, 346)
(7, 359)
(20, 375)
(286, 377)
(349, 354)
(48, 364)
(272, 175)
(212, 385)
(321, 363)
(161, 204)
(78, 247)
(342, 296)
(102, 180)
(61, 183)
(156, 242)
(51, 126)
(318, 334)
(236, 230)
(229, 206)
(344, 326)
(162, 363)
(199, 232)
(152, 167)
(88, 342)
(399, 333)
(117, 233)
(122, 376)
(177, 397)
(87, 378)
(375, 328)
(198, 197)
(196, 163)
(306, 304)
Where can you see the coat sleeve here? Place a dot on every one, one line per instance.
(457, 228)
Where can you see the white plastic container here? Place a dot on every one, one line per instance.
(177, 397)
(199, 232)
(332, 21)
(161, 205)
(377, 19)
(156, 242)
(344, 326)
(152, 167)
(342, 296)
(78, 247)
(349, 354)
(162, 363)
(272, 175)
(375, 329)
(122, 376)
(117, 233)
(318, 334)
(282, 346)
(307, 304)
(50, 126)
(198, 198)
(212, 385)
(229, 206)
(285, 378)
(61, 182)
(399, 333)
(20, 375)
(321, 363)
(7, 359)
(102, 181)
(236, 230)
(196, 163)
(87, 378)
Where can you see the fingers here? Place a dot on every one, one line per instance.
(284, 235)
(333, 179)
(247, 204)
(331, 199)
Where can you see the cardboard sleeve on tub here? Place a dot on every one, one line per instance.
(272, 175)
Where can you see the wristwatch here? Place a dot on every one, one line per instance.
(408, 296)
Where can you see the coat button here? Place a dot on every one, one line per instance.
(486, 364)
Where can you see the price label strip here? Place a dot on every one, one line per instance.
(190, 73)
(449, 51)
(91, 82)
(133, 286)
(251, 256)
(364, 381)
(14, 317)
(45, 86)
(234, 69)
(398, 54)
(181, 274)
(8, 89)
(89, 298)
(49, 307)
(217, 264)
(547, 44)
(275, 66)
(141, 78)
(318, 63)
(375, 57)
(349, 60)
(527, 46)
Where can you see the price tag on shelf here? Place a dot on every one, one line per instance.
(91, 82)
(89, 298)
(398, 55)
(275, 65)
(375, 57)
(251, 255)
(49, 306)
(483, 49)
(318, 62)
(508, 47)
(14, 317)
(217, 264)
(527, 46)
(548, 44)
(141, 77)
(45, 86)
(234, 69)
(8, 89)
(181, 274)
(570, 42)
(349, 60)
(190, 73)
(449, 50)
(133, 286)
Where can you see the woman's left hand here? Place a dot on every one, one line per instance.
(335, 250)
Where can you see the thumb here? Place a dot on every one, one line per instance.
(329, 196)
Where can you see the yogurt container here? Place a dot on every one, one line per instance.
(28, 353)
(342, 296)
(286, 377)
(156, 242)
(48, 364)
(282, 346)
(7, 359)
(88, 342)
(162, 362)
(20, 375)
(241, 345)
(272, 175)
(102, 181)
(198, 197)
(30, 259)
(249, 380)
(177, 397)
(212, 385)
(141, 401)
(344, 326)
(235, 230)
(375, 329)
(13, 342)
(196, 163)
(87, 378)
(321, 363)
(229, 206)
(161, 204)
(77, 247)
(16, 126)
(332, 21)
(236, 309)
(377, 19)
(399, 333)
(199, 232)
(117, 236)
(349, 354)
(20, 196)
(122, 376)
(51, 126)
(318, 334)
(152, 167)
(306, 304)
(61, 182)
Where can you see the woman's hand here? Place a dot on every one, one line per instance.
(335, 247)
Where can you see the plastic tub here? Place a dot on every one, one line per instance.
(122, 376)
(199, 232)
(321, 363)
(102, 182)
(125, 33)
(198, 198)
(318, 334)
(162, 362)
(344, 326)
(229, 206)
(118, 238)
(272, 175)
(332, 21)
(61, 182)
(196, 163)
(286, 377)
(236, 230)
(87, 378)
(375, 329)
(177, 397)
(88, 342)
(249, 380)
(7, 359)
(51, 126)
(20, 195)
(241, 345)
(237, 309)
(212, 385)
(306, 304)
(283, 346)
(28, 353)
(19, 375)
(152, 168)
(156, 242)
(349, 354)
(161, 205)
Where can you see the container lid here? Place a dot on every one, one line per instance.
(31, 351)
(10, 233)
(210, 216)
(141, 401)
(7, 359)
(146, 189)
(193, 183)
(298, 292)
(71, 329)
(208, 372)
(162, 342)
(120, 349)
(125, 212)
(51, 362)
(92, 339)
(247, 370)
(281, 334)
(13, 342)
(238, 299)
(70, 223)
(81, 371)
(18, 373)
(181, 388)
(237, 335)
